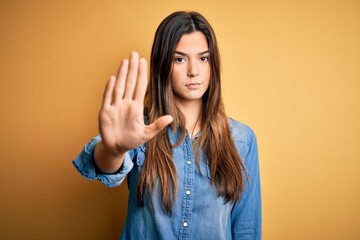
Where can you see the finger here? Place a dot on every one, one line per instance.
(159, 124)
(132, 75)
(140, 88)
(107, 96)
(120, 81)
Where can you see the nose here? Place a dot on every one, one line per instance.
(193, 70)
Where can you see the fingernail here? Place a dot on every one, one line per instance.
(134, 53)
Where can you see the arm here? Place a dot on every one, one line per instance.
(121, 124)
(246, 214)
(85, 165)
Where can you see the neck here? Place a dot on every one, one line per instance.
(192, 111)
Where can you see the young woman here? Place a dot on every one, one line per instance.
(192, 172)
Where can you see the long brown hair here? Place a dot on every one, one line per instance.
(215, 138)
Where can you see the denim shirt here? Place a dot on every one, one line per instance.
(198, 212)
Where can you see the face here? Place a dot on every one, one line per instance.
(191, 68)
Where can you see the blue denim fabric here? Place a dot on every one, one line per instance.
(198, 213)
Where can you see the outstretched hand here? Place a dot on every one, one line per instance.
(121, 119)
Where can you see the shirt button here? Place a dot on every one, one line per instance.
(188, 162)
(185, 224)
(188, 192)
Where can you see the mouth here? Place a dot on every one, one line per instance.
(193, 84)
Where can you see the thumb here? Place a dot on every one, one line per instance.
(158, 125)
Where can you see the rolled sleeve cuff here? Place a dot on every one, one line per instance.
(85, 165)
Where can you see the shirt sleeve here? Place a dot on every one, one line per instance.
(246, 219)
(85, 165)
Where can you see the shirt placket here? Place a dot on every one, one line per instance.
(187, 203)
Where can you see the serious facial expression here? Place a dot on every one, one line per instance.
(191, 68)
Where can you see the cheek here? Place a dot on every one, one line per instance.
(174, 79)
(175, 82)
(207, 74)
(177, 75)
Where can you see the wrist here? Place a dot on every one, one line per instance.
(113, 152)
(106, 160)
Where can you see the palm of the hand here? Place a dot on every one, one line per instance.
(121, 120)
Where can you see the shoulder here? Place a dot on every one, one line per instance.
(240, 131)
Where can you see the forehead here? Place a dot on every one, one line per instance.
(195, 41)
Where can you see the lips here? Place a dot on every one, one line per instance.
(193, 86)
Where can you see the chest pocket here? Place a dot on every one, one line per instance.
(208, 170)
(138, 161)
(241, 147)
(140, 156)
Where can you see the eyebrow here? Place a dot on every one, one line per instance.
(184, 54)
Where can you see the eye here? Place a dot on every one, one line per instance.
(204, 59)
(179, 59)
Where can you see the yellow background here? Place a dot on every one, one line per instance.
(291, 70)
